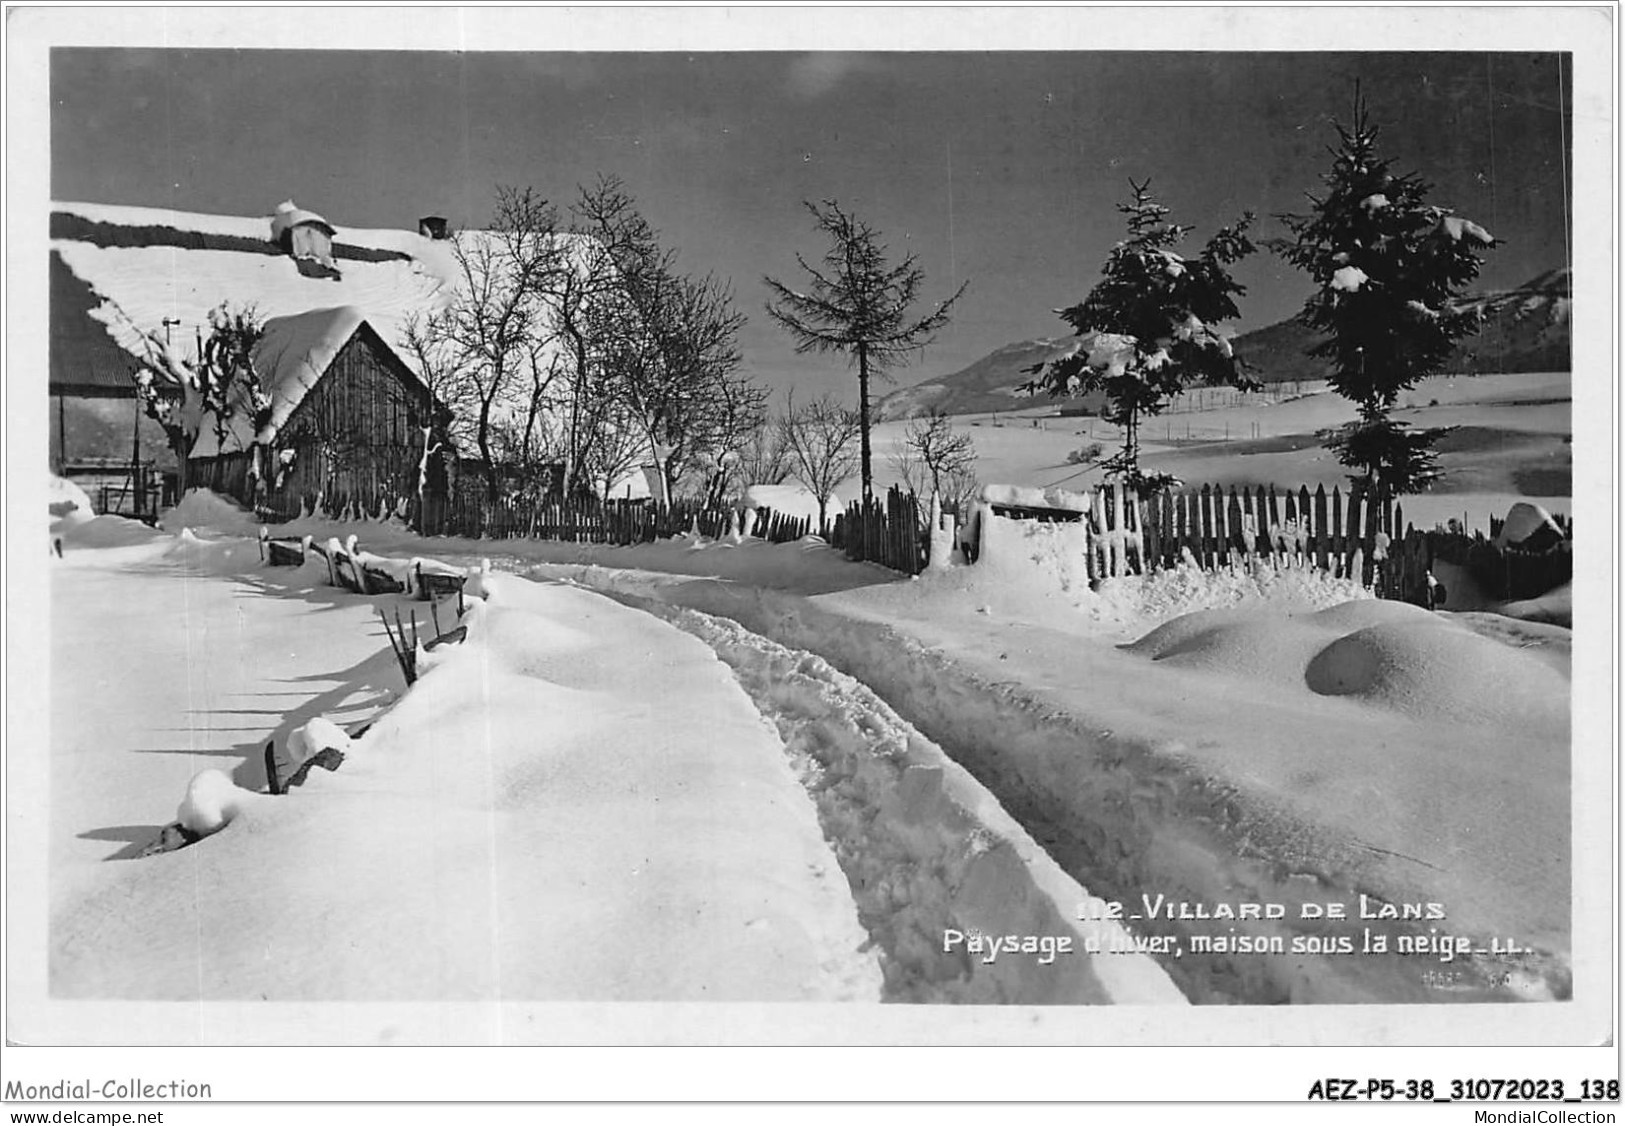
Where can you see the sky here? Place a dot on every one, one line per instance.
(1001, 168)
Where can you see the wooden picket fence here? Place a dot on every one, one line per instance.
(1356, 535)
(778, 527)
(472, 516)
(1213, 526)
(889, 532)
(579, 521)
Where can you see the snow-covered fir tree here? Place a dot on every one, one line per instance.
(1387, 267)
(1149, 327)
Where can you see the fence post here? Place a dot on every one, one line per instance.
(1373, 516)
(1150, 514)
(1321, 538)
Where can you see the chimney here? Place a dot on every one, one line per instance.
(433, 227)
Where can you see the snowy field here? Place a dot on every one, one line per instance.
(1514, 442)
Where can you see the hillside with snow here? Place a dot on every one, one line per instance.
(993, 383)
(1525, 329)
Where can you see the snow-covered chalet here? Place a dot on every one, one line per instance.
(347, 410)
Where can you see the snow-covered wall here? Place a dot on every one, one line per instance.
(1033, 554)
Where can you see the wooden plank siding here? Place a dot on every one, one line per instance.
(356, 434)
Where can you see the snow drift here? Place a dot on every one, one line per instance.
(1391, 654)
(208, 511)
(577, 803)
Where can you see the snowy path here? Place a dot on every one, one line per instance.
(1144, 779)
(579, 803)
(926, 849)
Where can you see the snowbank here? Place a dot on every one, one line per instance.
(521, 826)
(67, 500)
(104, 531)
(789, 500)
(1154, 598)
(1387, 653)
(204, 510)
(1555, 607)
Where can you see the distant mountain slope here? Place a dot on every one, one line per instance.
(990, 384)
(1525, 329)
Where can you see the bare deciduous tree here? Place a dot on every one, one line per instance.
(762, 457)
(669, 341)
(933, 454)
(481, 351)
(820, 439)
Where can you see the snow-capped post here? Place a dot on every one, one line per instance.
(941, 542)
(1388, 267)
(1148, 329)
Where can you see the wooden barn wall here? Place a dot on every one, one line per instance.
(357, 432)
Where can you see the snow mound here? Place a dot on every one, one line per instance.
(1185, 589)
(1349, 616)
(210, 511)
(1526, 522)
(1390, 654)
(1441, 671)
(1555, 606)
(212, 802)
(790, 500)
(105, 531)
(67, 500)
(1258, 644)
(312, 738)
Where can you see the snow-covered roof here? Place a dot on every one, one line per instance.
(292, 355)
(149, 265)
(146, 265)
